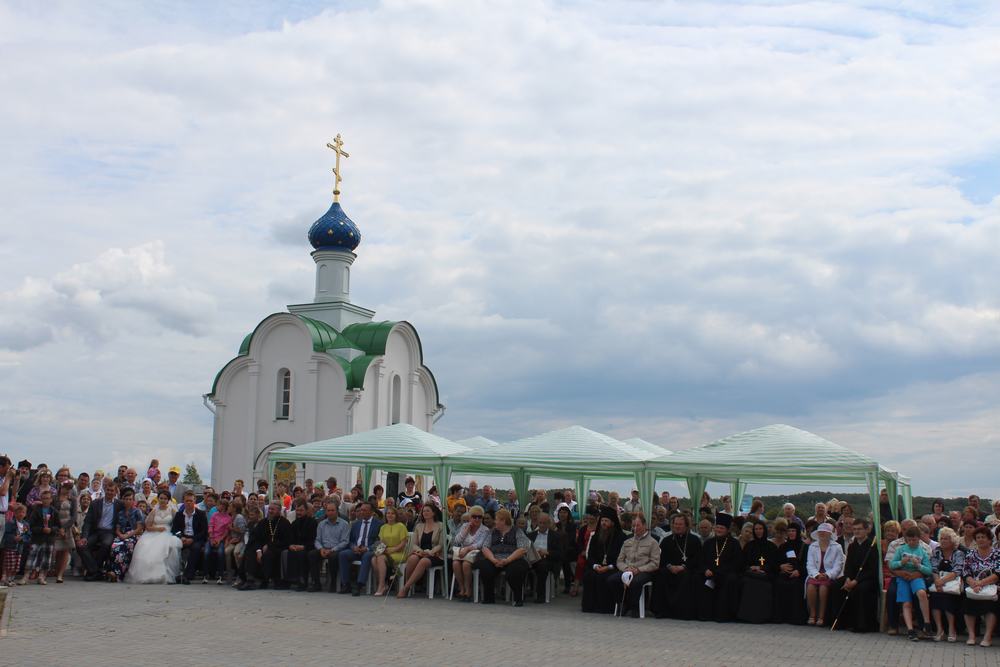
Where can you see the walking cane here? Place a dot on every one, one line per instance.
(392, 580)
(621, 606)
(843, 605)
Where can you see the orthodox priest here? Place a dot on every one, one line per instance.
(721, 565)
(602, 555)
(677, 585)
(857, 592)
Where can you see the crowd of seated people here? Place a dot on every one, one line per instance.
(939, 572)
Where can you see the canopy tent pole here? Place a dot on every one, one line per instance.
(582, 493)
(366, 480)
(442, 477)
(737, 488)
(871, 480)
(907, 500)
(521, 478)
(892, 488)
(645, 481)
(696, 487)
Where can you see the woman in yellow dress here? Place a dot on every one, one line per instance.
(394, 536)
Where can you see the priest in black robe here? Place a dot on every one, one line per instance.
(268, 540)
(760, 565)
(678, 581)
(721, 565)
(301, 543)
(602, 554)
(789, 581)
(856, 593)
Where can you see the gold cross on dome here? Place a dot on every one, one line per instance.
(337, 147)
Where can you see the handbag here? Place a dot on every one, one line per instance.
(987, 592)
(951, 587)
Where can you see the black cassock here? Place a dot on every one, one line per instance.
(756, 596)
(724, 558)
(861, 609)
(597, 597)
(676, 595)
(789, 591)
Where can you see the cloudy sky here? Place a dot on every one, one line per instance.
(672, 220)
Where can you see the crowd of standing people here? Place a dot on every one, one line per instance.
(939, 573)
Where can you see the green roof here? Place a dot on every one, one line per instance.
(369, 338)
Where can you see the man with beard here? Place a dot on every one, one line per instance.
(270, 538)
(721, 565)
(857, 592)
(678, 583)
(602, 556)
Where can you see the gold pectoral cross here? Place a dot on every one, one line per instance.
(716, 561)
(761, 561)
(337, 147)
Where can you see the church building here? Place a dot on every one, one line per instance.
(321, 370)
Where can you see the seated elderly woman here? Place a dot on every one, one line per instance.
(947, 564)
(426, 548)
(505, 553)
(980, 570)
(465, 548)
(824, 563)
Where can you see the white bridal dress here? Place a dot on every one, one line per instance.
(157, 555)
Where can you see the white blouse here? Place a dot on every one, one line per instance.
(833, 560)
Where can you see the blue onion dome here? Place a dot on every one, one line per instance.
(334, 231)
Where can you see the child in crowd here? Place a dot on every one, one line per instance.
(16, 539)
(911, 558)
(43, 523)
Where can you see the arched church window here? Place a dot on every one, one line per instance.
(284, 408)
(397, 394)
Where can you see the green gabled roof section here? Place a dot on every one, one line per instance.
(370, 337)
(326, 337)
(245, 345)
(359, 366)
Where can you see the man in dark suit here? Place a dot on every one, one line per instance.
(191, 525)
(548, 544)
(364, 533)
(98, 531)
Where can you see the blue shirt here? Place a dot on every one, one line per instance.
(107, 515)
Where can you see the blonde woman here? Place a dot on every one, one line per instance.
(465, 547)
(947, 564)
(393, 535)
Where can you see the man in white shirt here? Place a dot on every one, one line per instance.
(633, 504)
(549, 546)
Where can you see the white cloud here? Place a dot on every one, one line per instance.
(716, 214)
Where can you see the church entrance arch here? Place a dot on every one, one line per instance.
(283, 472)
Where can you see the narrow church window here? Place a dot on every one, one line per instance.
(397, 394)
(284, 393)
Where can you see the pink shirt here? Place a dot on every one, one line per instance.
(218, 526)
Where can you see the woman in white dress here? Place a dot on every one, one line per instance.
(157, 556)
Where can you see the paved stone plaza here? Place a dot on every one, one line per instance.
(118, 624)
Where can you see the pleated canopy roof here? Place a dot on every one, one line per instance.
(647, 446)
(571, 452)
(771, 454)
(477, 442)
(401, 446)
